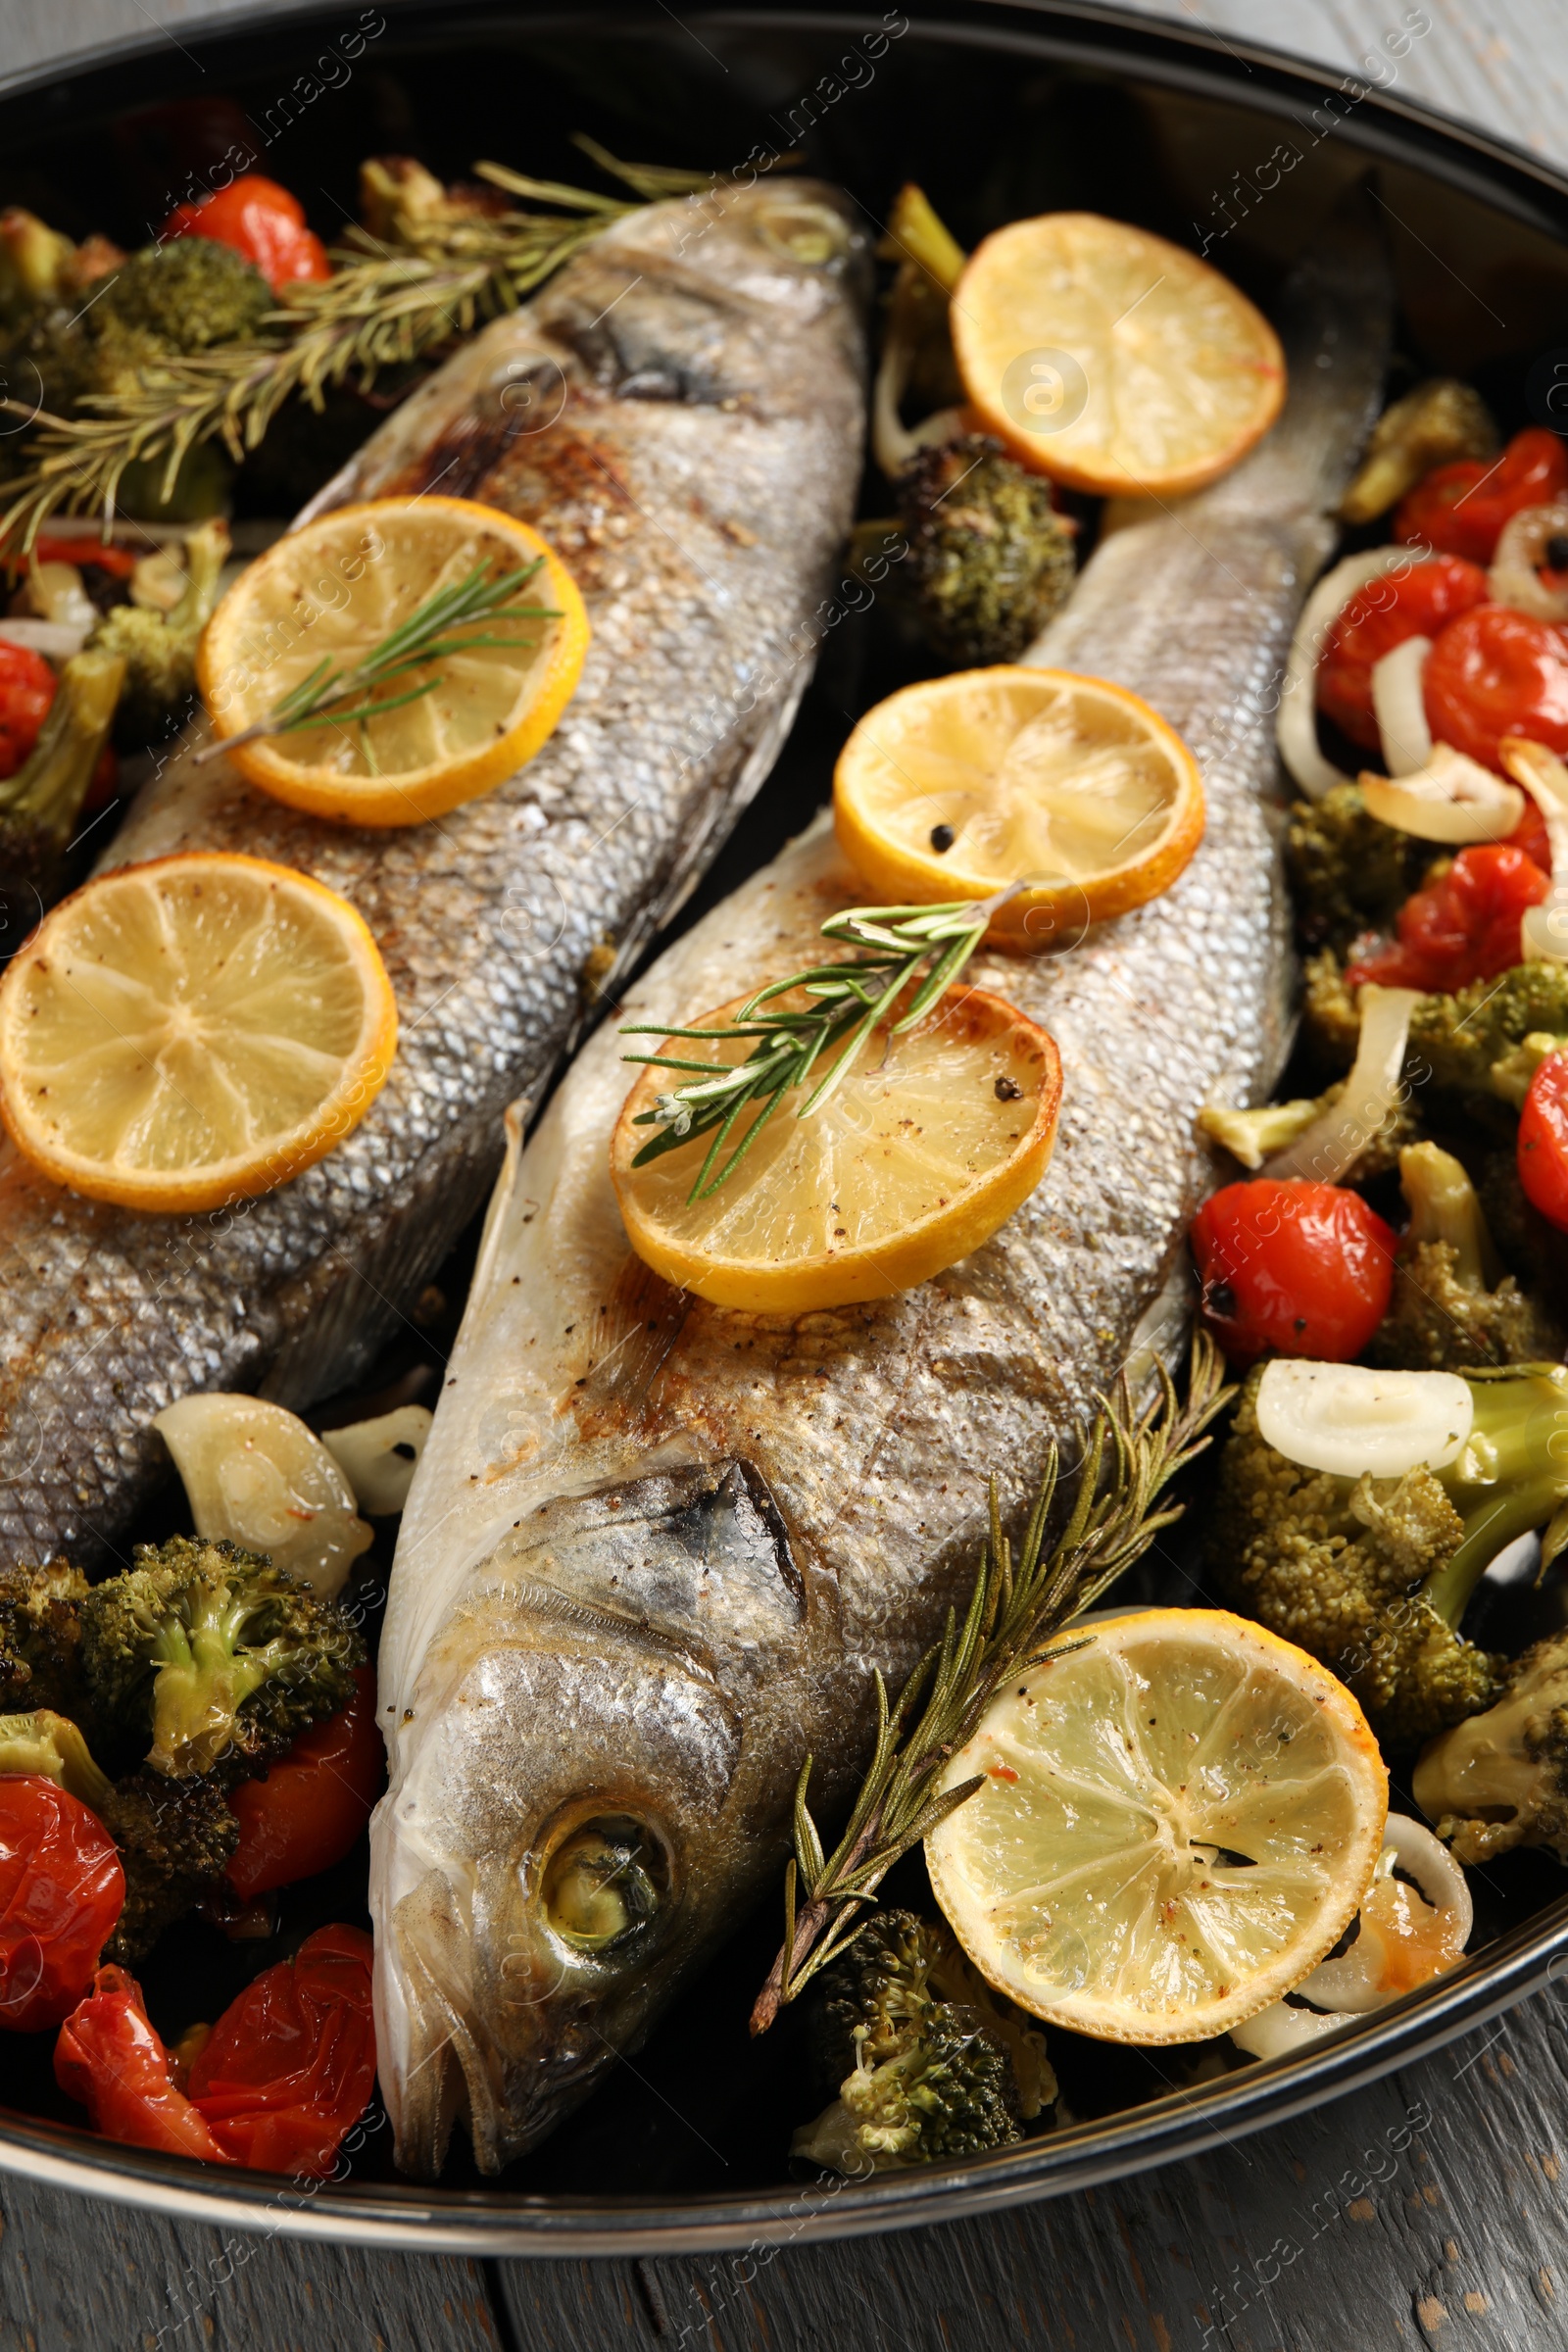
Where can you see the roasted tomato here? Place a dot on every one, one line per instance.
(60, 1891)
(1543, 1141)
(1463, 927)
(261, 221)
(27, 689)
(1293, 1268)
(290, 2065)
(1418, 602)
(110, 2059)
(1460, 509)
(305, 1813)
(1496, 672)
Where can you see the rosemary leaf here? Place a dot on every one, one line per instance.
(1018, 1603)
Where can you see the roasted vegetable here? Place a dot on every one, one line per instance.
(40, 1639)
(45, 1743)
(1484, 1040)
(40, 804)
(1500, 1778)
(928, 2063)
(159, 650)
(1373, 1575)
(174, 1837)
(1349, 872)
(221, 1656)
(1440, 421)
(989, 560)
(1453, 1305)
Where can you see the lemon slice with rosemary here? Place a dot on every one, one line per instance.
(1178, 1822)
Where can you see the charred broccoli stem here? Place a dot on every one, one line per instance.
(40, 804)
(1454, 1307)
(1349, 871)
(1374, 1576)
(40, 1639)
(1500, 1779)
(927, 2062)
(51, 1745)
(223, 1658)
(175, 1837)
(159, 650)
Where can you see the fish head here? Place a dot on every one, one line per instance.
(564, 1841)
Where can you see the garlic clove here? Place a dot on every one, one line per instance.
(380, 1458)
(255, 1474)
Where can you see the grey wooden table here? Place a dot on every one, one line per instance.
(1432, 2208)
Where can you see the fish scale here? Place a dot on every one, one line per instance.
(554, 1682)
(699, 480)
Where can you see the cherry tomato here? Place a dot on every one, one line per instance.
(290, 2065)
(261, 221)
(1543, 1141)
(1460, 509)
(27, 687)
(306, 1812)
(1293, 1267)
(1419, 603)
(60, 1891)
(1530, 834)
(1496, 672)
(1463, 927)
(110, 2059)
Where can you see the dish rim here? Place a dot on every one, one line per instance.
(405, 2215)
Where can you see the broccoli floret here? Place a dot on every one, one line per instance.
(989, 560)
(183, 296)
(1452, 1305)
(51, 1744)
(41, 1637)
(1440, 420)
(157, 650)
(1484, 1040)
(1374, 1575)
(928, 2064)
(1349, 871)
(221, 1656)
(174, 1837)
(40, 804)
(1500, 1779)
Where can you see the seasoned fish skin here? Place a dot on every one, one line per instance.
(680, 413)
(655, 1548)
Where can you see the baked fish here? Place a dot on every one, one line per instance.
(680, 413)
(655, 1548)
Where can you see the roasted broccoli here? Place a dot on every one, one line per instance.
(1374, 1575)
(1484, 1042)
(1452, 1305)
(41, 1637)
(39, 804)
(1500, 1779)
(1440, 420)
(159, 650)
(1349, 872)
(927, 2063)
(50, 1744)
(221, 1656)
(175, 1838)
(1253, 1136)
(989, 560)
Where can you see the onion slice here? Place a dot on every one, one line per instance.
(1296, 727)
(1452, 798)
(1331, 1147)
(1400, 708)
(1544, 929)
(1354, 1422)
(1515, 576)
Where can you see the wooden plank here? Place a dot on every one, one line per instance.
(75, 2273)
(1431, 2208)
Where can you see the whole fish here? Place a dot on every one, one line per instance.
(655, 1548)
(680, 413)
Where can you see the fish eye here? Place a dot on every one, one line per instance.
(803, 231)
(605, 1884)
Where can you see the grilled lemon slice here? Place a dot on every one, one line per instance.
(1178, 1822)
(192, 1031)
(930, 1142)
(330, 592)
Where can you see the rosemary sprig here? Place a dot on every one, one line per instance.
(1015, 1608)
(851, 1000)
(480, 597)
(383, 307)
